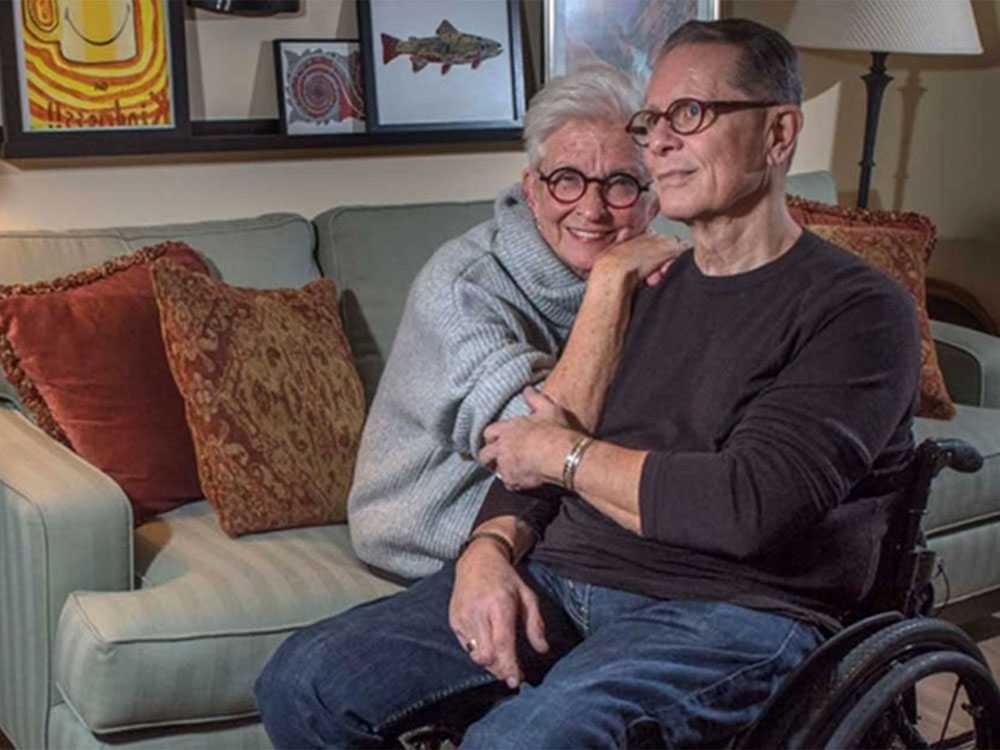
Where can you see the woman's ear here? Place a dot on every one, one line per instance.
(783, 134)
(529, 183)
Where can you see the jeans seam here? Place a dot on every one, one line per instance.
(688, 699)
(585, 607)
(434, 698)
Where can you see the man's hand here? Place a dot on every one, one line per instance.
(526, 452)
(647, 255)
(488, 603)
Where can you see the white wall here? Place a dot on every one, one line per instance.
(937, 148)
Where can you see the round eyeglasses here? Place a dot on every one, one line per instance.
(685, 116)
(568, 185)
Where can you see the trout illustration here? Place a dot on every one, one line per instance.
(448, 46)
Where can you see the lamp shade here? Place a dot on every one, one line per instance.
(927, 27)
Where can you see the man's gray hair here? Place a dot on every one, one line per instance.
(768, 67)
(595, 93)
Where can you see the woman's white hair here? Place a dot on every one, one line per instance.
(594, 93)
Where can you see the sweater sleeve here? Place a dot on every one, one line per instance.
(802, 443)
(491, 351)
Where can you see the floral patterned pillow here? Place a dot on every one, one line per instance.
(273, 401)
(899, 244)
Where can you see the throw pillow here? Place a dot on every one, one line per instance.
(898, 244)
(85, 354)
(273, 401)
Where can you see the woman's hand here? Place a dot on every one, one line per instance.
(647, 255)
(526, 452)
(488, 603)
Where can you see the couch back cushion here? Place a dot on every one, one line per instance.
(375, 252)
(269, 251)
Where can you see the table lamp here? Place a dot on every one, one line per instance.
(925, 27)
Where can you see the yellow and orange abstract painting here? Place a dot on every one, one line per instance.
(94, 64)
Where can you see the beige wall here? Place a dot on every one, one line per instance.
(936, 149)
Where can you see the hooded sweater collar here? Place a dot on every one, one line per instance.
(555, 290)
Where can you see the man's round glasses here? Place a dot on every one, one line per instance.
(684, 116)
(568, 185)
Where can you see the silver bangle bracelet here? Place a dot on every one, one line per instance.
(572, 461)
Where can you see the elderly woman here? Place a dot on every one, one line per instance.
(492, 313)
(538, 297)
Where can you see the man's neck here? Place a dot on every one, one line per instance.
(725, 245)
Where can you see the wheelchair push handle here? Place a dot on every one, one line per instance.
(953, 453)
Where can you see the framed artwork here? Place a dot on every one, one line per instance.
(624, 33)
(449, 65)
(320, 89)
(84, 71)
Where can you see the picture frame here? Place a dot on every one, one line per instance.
(320, 86)
(454, 66)
(87, 79)
(624, 33)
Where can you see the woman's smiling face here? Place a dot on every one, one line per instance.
(580, 232)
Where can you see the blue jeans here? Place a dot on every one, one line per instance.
(699, 670)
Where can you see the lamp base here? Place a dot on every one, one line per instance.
(875, 82)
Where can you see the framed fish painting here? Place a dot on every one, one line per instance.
(624, 33)
(78, 74)
(446, 65)
(320, 89)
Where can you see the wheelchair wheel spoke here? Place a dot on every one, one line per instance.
(951, 709)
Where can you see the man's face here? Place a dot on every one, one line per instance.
(580, 232)
(709, 172)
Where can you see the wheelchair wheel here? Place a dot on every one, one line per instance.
(822, 710)
(889, 715)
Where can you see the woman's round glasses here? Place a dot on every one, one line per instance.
(684, 116)
(568, 185)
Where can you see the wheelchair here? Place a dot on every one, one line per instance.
(859, 688)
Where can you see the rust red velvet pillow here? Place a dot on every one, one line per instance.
(86, 356)
(273, 401)
(899, 244)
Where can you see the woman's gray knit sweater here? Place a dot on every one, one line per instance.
(486, 316)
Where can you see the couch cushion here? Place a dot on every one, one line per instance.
(374, 253)
(272, 398)
(188, 645)
(269, 251)
(86, 355)
(965, 499)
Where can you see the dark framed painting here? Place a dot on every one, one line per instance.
(80, 75)
(320, 88)
(446, 65)
(624, 33)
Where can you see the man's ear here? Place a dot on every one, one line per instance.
(783, 134)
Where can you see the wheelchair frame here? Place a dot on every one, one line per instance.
(857, 690)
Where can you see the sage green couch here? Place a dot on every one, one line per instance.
(152, 638)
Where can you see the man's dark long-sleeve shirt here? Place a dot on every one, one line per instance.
(762, 398)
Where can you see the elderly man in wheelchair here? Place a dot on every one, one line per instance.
(733, 558)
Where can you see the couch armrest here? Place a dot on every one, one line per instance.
(64, 526)
(970, 361)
